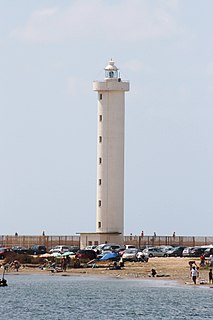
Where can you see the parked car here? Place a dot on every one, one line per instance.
(120, 251)
(111, 247)
(208, 252)
(130, 246)
(93, 247)
(86, 254)
(141, 256)
(20, 250)
(197, 251)
(37, 249)
(154, 252)
(99, 247)
(74, 248)
(166, 248)
(5, 252)
(175, 252)
(107, 247)
(130, 255)
(59, 249)
(187, 251)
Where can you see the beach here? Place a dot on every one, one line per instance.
(177, 269)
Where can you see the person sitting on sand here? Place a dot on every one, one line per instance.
(153, 272)
(16, 264)
(6, 266)
(115, 266)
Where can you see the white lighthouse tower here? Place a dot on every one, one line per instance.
(110, 151)
(110, 159)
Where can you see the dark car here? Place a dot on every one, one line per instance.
(74, 249)
(86, 254)
(107, 247)
(197, 251)
(208, 252)
(175, 252)
(4, 252)
(20, 250)
(37, 249)
(187, 251)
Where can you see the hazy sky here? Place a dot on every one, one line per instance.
(51, 51)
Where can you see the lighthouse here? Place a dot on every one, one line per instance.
(110, 151)
(110, 158)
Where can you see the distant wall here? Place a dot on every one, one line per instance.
(138, 241)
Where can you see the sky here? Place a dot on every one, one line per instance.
(51, 51)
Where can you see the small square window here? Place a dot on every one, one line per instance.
(99, 182)
(100, 160)
(100, 117)
(99, 203)
(99, 224)
(89, 243)
(100, 138)
(100, 96)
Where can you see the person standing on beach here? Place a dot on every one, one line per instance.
(194, 274)
(210, 276)
(202, 260)
(211, 261)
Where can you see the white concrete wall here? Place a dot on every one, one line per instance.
(99, 238)
(111, 107)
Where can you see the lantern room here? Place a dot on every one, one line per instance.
(111, 71)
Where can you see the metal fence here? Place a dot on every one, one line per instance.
(189, 241)
(138, 241)
(48, 241)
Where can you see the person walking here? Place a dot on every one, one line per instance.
(194, 273)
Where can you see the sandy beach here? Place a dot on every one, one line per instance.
(167, 268)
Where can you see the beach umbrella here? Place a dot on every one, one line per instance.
(56, 254)
(68, 253)
(110, 256)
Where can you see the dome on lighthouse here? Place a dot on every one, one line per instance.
(111, 71)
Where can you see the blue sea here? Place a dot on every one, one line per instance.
(45, 297)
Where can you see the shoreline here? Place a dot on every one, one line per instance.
(168, 269)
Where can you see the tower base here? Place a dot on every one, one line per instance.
(95, 238)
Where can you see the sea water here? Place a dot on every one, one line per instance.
(44, 297)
